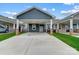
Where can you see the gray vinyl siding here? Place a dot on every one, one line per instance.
(34, 14)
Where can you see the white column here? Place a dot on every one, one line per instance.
(77, 26)
(28, 27)
(57, 27)
(51, 26)
(71, 26)
(17, 24)
(46, 27)
(14, 26)
(17, 27)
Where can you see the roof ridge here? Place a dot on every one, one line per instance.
(26, 10)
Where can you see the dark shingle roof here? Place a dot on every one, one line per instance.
(6, 19)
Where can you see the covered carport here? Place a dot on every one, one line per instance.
(34, 16)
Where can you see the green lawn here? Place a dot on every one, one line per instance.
(6, 36)
(70, 40)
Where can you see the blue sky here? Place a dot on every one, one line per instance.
(60, 10)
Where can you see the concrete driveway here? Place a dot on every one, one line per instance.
(35, 44)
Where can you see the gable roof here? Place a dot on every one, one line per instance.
(70, 16)
(29, 9)
(6, 19)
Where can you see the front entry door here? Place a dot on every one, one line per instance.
(33, 27)
(41, 29)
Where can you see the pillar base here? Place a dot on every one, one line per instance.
(51, 32)
(71, 33)
(17, 31)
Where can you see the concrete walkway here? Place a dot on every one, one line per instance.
(35, 44)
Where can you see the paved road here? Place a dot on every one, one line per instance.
(35, 44)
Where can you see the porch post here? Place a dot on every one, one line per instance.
(57, 27)
(71, 26)
(77, 26)
(14, 27)
(46, 27)
(17, 27)
(51, 26)
(28, 27)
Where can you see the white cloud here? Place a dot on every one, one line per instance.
(10, 13)
(49, 10)
(76, 7)
(45, 9)
(69, 3)
(74, 10)
(53, 9)
(27, 6)
(69, 11)
(11, 17)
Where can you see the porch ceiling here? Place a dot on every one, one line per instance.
(39, 21)
(74, 21)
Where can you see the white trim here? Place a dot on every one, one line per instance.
(51, 23)
(17, 24)
(57, 26)
(46, 27)
(39, 21)
(21, 28)
(71, 24)
(28, 27)
(14, 26)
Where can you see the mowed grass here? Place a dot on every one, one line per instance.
(6, 36)
(68, 39)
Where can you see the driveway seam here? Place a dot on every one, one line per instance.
(26, 49)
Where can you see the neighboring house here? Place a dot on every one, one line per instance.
(69, 24)
(6, 24)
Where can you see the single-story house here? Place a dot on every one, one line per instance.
(69, 24)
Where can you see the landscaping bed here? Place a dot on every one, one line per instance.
(68, 39)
